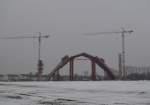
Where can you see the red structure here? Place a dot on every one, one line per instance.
(93, 69)
(94, 60)
(93, 75)
(71, 69)
(40, 69)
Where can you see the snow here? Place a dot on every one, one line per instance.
(75, 93)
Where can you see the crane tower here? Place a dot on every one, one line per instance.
(122, 32)
(40, 62)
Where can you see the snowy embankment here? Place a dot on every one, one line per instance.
(75, 93)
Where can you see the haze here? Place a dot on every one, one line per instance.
(66, 21)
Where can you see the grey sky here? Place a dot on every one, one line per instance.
(66, 21)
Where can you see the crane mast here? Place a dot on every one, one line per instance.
(123, 32)
(124, 75)
(40, 62)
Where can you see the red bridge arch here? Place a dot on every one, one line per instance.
(94, 60)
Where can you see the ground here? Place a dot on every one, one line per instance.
(75, 93)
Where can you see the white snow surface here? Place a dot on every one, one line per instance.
(75, 93)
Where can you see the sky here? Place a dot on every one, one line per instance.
(67, 21)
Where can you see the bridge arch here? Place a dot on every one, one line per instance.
(95, 60)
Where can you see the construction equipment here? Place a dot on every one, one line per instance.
(40, 62)
(122, 32)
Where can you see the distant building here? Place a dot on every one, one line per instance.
(137, 69)
(13, 77)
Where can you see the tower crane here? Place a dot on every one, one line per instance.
(122, 32)
(40, 62)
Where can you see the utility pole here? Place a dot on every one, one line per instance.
(40, 62)
(123, 32)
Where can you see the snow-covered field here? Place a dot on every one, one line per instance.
(75, 93)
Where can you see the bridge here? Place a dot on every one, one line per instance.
(94, 60)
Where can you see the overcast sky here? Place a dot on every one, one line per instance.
(66, 21)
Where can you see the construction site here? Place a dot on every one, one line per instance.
(122, 73)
